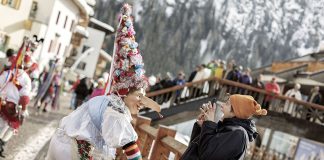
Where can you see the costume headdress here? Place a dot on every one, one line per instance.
(127, 70)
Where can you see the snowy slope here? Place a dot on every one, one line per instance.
(183, 33)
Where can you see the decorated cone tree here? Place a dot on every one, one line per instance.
(128, 66)
(106, 120)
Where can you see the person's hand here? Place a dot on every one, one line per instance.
(25, 113)
(200, 119)
(208, 110)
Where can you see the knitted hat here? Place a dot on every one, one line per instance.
(128, 64)
(245, 106)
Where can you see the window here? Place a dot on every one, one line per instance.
(58, 17)
(84, 48)
(66, 49)
(72, 23)
(66, 19)
(12, 3)
(81, 65)
(74, 52)
(69, 62)
(33, 10)
(50, 46)
(3, 41)
(58, 49)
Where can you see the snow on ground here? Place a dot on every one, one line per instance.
(35, 143)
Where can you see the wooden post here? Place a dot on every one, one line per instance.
(141, 135)
(158, 150)
(212, 88)
(173, 98)
(261, 98)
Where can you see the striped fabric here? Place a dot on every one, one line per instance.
(132, 151)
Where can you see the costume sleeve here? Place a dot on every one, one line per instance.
(26, 85)
(117, 131)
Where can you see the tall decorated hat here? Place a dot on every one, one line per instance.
(128, 72)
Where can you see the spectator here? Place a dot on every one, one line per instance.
(203, 73)
(157, 85)
(229, 68)
(314, 97)
(82, 91)
(272, 88)
(219, 72)
(57, 90)
(168, 81)
(5, 63)
(152, 80)
(180, 80)
(289, 106)
(73, 98)
(48, 97)
(234, 74)
(257, 83)
(228, 138)
(42, 77)
(245, 79)
(212, 65)
(100, 89)
(193, 74)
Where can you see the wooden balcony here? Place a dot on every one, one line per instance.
(158, 143)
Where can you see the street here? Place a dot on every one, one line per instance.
(34, 135)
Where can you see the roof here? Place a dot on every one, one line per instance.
(108, 29)
(267, 78)
(81, 30)
(91, 2)
(308, 82)
(105, 55)
(84, 7)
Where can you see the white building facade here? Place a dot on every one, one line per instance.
(13, 17)
(88, 64)
(54, 21)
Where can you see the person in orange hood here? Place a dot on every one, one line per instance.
(228, 138)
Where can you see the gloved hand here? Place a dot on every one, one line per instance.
(25, 113)
(22, 115)
(23, 101)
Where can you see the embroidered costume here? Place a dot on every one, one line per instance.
(104, 122)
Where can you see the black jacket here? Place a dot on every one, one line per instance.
(83, 90)
(192, 76)
(218, 142)
(317, 99)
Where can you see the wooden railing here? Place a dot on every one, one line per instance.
(158, 143)
(155, 143)
(214, 87)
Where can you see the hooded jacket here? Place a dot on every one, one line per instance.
(219, 142)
